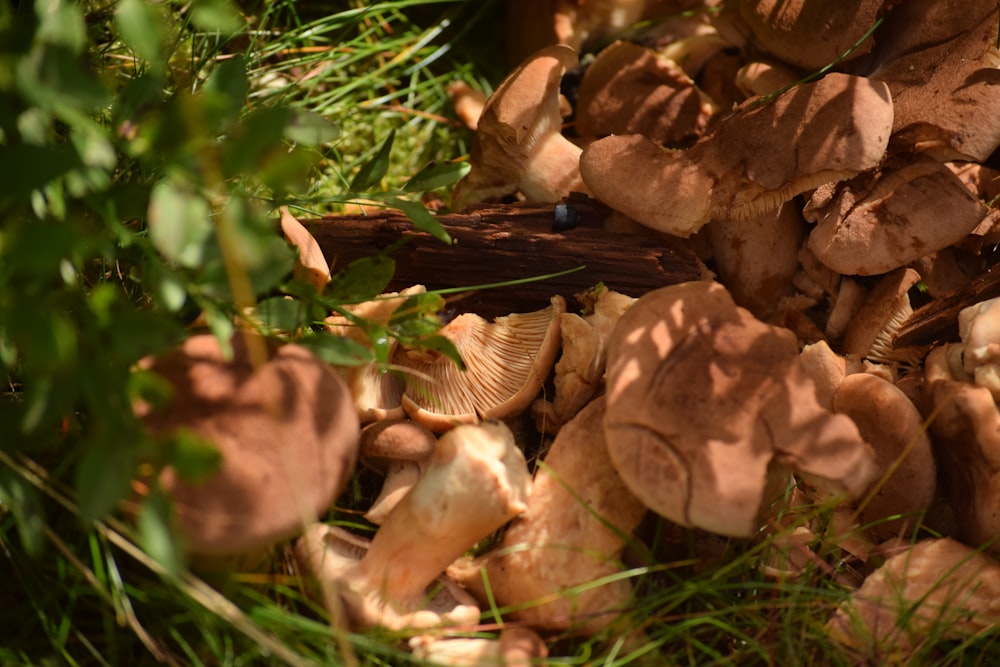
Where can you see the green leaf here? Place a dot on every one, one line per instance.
(193, 457)
(337, 350)
(157, 538)
(281, 314)
(417, 316)
(311, 129)
(421, 218)
(179, 224)
(103, 476)
(435, 176)
(226, 92)
(216, 16)
(61, 23)
(142, 25)
(373, 171)
(47, 164)
(361, 280)
(22, 500)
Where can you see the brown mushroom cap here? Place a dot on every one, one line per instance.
(886, 219)
(311, 265)
(937, 587)
(506, 363)
(703, 398)
(907, 473)
(811, 35)
(519, 145)
(629, 89)
(758, 158)
(287, 433)
(402, 450)
(870, 333)
(939, 59)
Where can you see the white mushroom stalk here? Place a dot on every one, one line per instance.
(477, 481)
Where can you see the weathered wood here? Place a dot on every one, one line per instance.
(505, 242)
(937, 321)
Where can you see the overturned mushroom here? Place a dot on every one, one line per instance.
(286, 432)
(572, 534)
(477, 481)
(519, 145)
(758, 158)
(939, 588)
(703, 399)
(506, 362)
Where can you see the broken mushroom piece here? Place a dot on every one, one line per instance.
(572, 534)
(506, 363)
(477, 481)
(757, 159)
(889, 217)
(519, 145)
(286, 431)
(310, 266)
(703, 399)
(401, 450)
(907, 473)
(935, 588)
(629, 89)
(515, 647)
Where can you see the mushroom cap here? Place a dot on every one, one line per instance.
(702, 398)
(519, 145)
(506, 363)
(893, 426)
(937, 587)
(287, 434)
(311, 265)
(890, 217)
(811, 35)
(629, 89)
(979, 327)
(939, 59)
(758, 158)
(402, 450)
(569, 536)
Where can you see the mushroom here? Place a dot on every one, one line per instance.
(286, 432)
(907, 472)
(870, 334)
(570, 537)
(476, 482)
(703, 399)
(506, 362)
(757, 258)
(764, 78)
(518, 145)
(939, 59)
(889, 217)
(936, 588)
(579, 372)
(378, 393)
(629, 89)
(826, 368)
(515, 647)
(401, 449)
(979, 328)
(758, 158)
(812, 35)
(310, 266)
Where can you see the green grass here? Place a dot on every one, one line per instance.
(92, 596)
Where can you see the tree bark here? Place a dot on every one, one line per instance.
(505, 242)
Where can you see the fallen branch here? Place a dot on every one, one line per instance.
(508, 242)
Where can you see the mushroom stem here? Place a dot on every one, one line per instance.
(477, 481)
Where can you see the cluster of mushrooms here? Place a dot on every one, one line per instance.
(818, 210)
